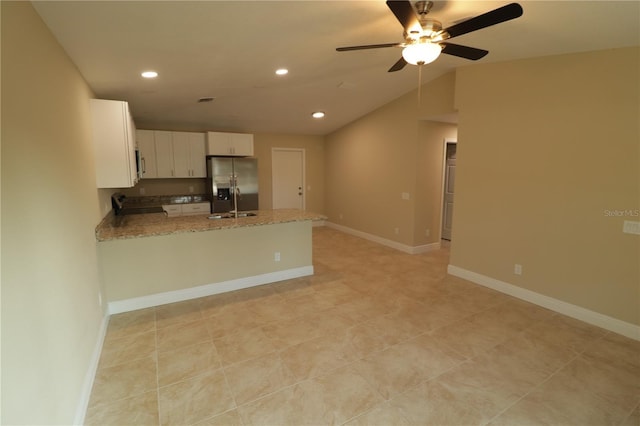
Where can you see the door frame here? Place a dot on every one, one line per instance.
(304, 174)
(442, 188)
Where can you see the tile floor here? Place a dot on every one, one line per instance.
(375, 337)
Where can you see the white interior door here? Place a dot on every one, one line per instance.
(449, 184)
(287, 171)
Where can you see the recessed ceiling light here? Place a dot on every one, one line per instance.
(206, 99)
(149, 74)
(318, 114)
(282, 71)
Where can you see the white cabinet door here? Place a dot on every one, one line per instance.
(242, 144)
(114, 143)
(168, 154)
(196, 208)
(164, 153)
(147, 148)
(230, 144)
(197, 154)
(181, 154)
(172, 209)
(218, 143)
(188, 154)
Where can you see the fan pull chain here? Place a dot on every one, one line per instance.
(420, 85)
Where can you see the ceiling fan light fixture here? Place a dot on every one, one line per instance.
(421, 53)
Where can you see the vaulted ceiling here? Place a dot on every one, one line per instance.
(229, 50)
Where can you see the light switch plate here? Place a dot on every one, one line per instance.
(631, 227)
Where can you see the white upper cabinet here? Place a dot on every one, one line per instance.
(198, 154)
(113, 134)
(172, 154)
(181, 155)
(164, 153)
(230, 144)
(189, 154)
(147, 148)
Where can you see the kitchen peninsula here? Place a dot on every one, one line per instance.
(151, 259)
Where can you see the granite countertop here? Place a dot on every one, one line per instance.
(153, 224)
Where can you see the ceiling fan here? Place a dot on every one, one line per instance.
(425, 38)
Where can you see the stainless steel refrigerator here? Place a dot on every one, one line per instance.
(232, 180)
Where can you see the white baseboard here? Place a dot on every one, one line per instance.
(604, 321)
(90, 375)
(385, 242)
(425, 248)
(158, 299)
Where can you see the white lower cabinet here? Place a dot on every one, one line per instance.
(173, 210)
(196, 208)
(186, 209)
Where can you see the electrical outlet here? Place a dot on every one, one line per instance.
(340, 216)
(142, 191)
(517, 269)
(191, 189)
(427, 233)
(276, 256)
(396, 231)
(405, 196)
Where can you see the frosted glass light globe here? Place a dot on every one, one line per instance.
(421, 53)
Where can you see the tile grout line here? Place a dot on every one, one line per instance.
(157, 357)
(539, 385)
(628, 414)
(224, 374)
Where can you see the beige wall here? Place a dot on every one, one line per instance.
(263, 144)
(50, 206)
(546, 147)
(372, 161)
(314, 166)
(199, 258)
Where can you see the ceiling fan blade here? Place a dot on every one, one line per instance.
(501, 14)
(463, 51)
(404, 12)
(398, 65)
(367, 46)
